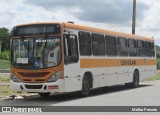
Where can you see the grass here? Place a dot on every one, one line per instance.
(4, 79)
(5, 86)
(157, 77)
(5, 89)
(4, 64)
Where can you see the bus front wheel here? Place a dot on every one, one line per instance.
(44, 94)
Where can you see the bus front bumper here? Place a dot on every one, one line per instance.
(52, 87)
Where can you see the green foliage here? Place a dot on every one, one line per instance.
(4, 64)
(158, 54)
(157, 48)
(158, 63)
(4, 34)
(5, 56)
(4, 60)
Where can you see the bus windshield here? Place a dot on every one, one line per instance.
(35, 53)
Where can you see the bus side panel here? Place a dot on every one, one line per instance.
(123, 75)
(72, 78)
(98, 76)
(111, 77)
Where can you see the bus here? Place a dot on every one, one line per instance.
(65, 57)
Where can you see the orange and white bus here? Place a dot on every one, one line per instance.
(65, 57)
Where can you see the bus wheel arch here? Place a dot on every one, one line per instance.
(87, 84)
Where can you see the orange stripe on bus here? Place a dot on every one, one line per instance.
(93, 63)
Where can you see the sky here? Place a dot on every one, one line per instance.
(113, 15)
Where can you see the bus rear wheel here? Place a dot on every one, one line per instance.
(85, 87)
(135, 82)
(44, 94)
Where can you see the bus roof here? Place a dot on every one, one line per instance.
(38, 23)
(92, 29)
(108, 32)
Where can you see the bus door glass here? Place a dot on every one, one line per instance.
(70, 49)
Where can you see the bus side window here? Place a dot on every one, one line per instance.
(140, 48)
(147, 49)
(98, 44)
(111, 45)
(70, 49)
(122, 46)
(152, 49)
(132, 47)
(85, 43)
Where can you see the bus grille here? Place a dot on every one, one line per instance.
(33, 81)
(39, 74)
(33, 86)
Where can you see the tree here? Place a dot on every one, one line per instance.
(4, 39)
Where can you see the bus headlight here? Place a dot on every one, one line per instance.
(15, 78)
(55, 77)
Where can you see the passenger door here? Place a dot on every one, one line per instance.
(71, 60)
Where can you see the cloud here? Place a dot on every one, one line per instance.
(99, 11)
(18, 13)
(114, 15)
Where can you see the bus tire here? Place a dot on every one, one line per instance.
(44, 94)
(136, 79)
(135, 82)
(85, 87)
